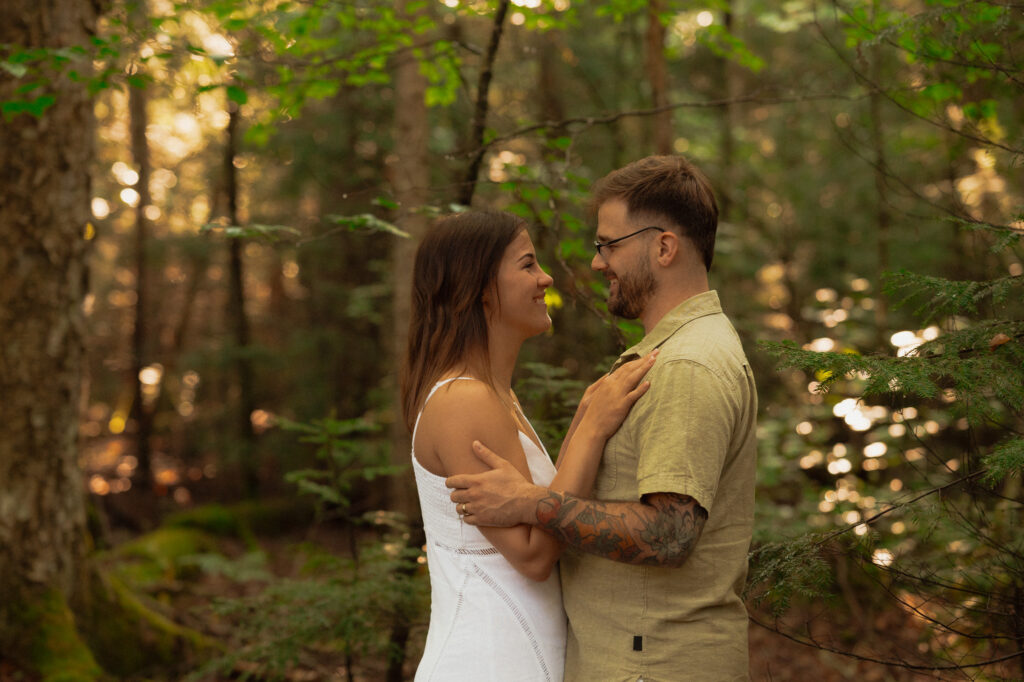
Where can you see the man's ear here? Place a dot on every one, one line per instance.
(669, 244)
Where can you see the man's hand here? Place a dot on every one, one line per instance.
(499, 497)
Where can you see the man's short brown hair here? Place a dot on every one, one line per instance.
(659, 188)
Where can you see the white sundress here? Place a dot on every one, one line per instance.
(488, 622)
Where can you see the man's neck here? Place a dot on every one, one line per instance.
(667, 298)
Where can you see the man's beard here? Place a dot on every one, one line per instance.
(633, 292)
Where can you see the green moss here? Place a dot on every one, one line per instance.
(52, 644)
(167, 545)
(242, 520)
(130, 638)
(213, 518)
(157, 556)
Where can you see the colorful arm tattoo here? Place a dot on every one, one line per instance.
(660, 530)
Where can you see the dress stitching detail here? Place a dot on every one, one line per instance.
(518, 615)
(466, 550)
(455, 619)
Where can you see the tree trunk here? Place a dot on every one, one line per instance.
(657, 78)
(44, 219)
(549, 85)
(727, 184)
(883, 216)
(410, 178)
(142, 413)
(238, 318)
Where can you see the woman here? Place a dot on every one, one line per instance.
(478, 293)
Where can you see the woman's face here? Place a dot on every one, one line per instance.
(520, 286)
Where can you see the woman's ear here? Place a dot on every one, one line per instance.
(487, 299)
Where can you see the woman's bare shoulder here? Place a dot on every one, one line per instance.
(466, 400)
(461, 412)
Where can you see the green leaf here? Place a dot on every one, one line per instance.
(36, 107)
(366, 223)
(562, 143)
(385, 202)
(237, 94)
(16, 70)
(39, 105)
(268, 233)
(942, 92)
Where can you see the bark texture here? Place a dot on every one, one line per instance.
(410, 180)
(142, 414)
(729, 122)
(657, 78)
(239, 320)
(44, 218)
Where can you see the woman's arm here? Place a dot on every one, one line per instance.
(581, 409)
(467, 411)
(460, 413)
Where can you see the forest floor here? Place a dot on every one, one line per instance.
(185, 596)
(773, 657)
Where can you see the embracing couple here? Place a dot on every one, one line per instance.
(640, 532)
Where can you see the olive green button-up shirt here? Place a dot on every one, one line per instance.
(692, 433)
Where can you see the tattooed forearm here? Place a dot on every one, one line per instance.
(661, 530)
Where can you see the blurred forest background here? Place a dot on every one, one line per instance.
(208, 211)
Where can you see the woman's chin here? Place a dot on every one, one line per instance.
(541, 327)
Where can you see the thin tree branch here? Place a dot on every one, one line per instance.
(1009, 72)
(962, 217)
(917, 611)
(899, 505)
(875, 87)
(590, 121)
(868, 659)
(480, 112)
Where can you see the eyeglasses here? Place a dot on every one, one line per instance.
(601, 245)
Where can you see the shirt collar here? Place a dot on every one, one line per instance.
(702, 304)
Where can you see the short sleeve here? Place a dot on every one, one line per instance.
(685, 426)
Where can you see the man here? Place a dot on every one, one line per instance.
(674, 494)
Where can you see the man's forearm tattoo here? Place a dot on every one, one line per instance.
(660, 531)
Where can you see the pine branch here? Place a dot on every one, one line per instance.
(976, 361)
(950, 297)
(1006, 459)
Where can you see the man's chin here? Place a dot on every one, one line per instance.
(616, 308)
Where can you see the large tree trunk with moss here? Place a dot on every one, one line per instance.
(44, 222)
(58, 615)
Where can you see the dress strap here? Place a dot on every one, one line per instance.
(429, 395)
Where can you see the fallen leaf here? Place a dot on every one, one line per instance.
(997, 340)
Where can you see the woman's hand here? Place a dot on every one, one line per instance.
(607, 401)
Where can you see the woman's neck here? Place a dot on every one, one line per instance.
(502, 354)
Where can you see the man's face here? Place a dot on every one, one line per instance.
(626, 264)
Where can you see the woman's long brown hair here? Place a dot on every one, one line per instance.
(456, 263)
